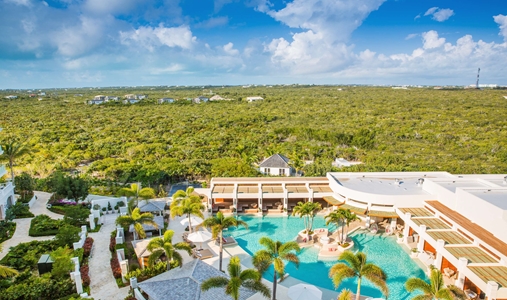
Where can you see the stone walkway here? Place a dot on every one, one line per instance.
(23, 225)
(103, 285)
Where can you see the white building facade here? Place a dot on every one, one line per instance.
(6, 191)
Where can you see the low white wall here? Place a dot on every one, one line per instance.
(32, 201)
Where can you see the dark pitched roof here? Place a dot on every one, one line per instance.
(275, 161)
(151, 206)
(185, 284)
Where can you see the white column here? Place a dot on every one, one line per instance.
(91, 219)
(420, 245)
(406, 229)
(393, 224)
(133, 282)
(462, 266)
(491, 290)
(83, 229)
(77, 281)
(440, 248)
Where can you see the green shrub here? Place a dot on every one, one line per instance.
(149, 272)
(67, 235)
(43, 225)
(18, 211)
(7, 229)
(43, 287)
(26, 255)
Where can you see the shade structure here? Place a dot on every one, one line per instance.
(199, 237)
(194, 220)
(304, 292)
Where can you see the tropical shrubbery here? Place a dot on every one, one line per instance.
(6, 230)
(87, 247)
(26, 255)
(43, 225)
(148, 272)
(18, 211)
(43, 287)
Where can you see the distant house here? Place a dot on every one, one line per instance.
(100, 97)
(112, 98)
(276, 165)
(42, 94)
(185, 283)
(200, 99)
(131, 101)
(252, 99)
(141, 97)
(341, 163)
(11, 97)
(96, 101)
(165, 100)
(216, 98)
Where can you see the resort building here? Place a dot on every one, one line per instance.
(165, 100)
(6, 191)
(456, 223)
(276, 165)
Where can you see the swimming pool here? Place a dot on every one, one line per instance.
(381, 250)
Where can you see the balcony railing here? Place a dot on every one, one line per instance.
(6, 188)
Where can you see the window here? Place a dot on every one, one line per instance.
(267, 170)
(281, 172)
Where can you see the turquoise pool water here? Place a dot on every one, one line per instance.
(381, 250)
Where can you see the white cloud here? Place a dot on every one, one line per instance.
(431, 40)
(411, 36)
(19, 2)
(229, 49)
(152, 37)
(328, 25)
(501, 20)
(439, 14)
(213, 22)
(78, 39)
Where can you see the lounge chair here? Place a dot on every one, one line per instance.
(203, 254)
(449, 272)
(227, 241)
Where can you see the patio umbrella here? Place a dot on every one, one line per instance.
(199, 237)
(304, 292)
(195, 221)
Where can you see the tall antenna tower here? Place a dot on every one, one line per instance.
(477, 82)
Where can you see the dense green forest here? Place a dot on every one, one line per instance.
(460, 131)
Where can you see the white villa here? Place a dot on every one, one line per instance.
(457, 223)
(276, 165)
(256, 98)
(200, 99)
(165, 100)
(216, 98)
(6, 191)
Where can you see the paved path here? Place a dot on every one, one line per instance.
(23, 225)
(103, 285)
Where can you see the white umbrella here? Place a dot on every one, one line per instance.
(199, 237)
(304, 292)
(195, 221)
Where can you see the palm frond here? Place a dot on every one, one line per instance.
(340, 272)
(414, 284)
(257, 286)
(183, 246)
(279, 266)
(350, 258)
(345, 294)
(7, 272)
(154, 256)
(214, 282)
(250, 274)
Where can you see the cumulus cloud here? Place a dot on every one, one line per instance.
(501, 20)
(152, 37)
(439, 14)
(431, 40)
(328, 25)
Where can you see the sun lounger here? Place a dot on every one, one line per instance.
(227, 241)
(203, 254)
(449, 272)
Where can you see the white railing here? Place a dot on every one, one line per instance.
(6, 189)
(1, 151)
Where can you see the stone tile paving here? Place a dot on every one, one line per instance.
(103, 285)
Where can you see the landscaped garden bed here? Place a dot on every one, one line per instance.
(43, 225)
(7, 230)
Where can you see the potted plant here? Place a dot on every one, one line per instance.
(104, 209)
(414, 252)
(400, 238)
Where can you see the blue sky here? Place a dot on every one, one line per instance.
(76, 43)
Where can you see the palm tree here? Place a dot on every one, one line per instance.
(163, 245)
(184, 203)
(307, 211)
(249, 279)
(6, 271)
(137, 219)
(12, 150)
(341, 217)
(355, 265)
(275, 254)
(435, 289)
(217, 225)
(345, 294)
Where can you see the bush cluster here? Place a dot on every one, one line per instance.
(85, 276)
(87, 247)
(112, 244)
(7, 229)
(147, 273)
(43, 225)
(18, 211)
(115, 267)
(26, 255)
